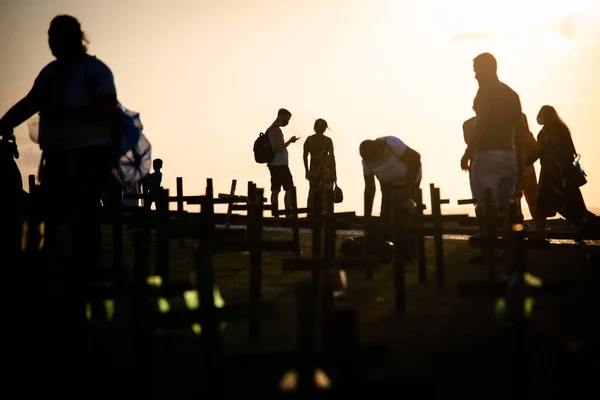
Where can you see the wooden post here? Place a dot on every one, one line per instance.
(142, 331)
(116, 197)
(305, 294)
(491, 234)
(31, 182)
(296, 226)
(162, 238)
(255, 217)
(399, 249)
(316, 235)
(230, 205)
(328, 266)
(180, 211)
(515, 257)
(211, 335)
(421, 255)
(436, 212)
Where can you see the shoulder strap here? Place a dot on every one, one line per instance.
(389, 147)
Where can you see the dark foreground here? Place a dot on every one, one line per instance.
(445, 346)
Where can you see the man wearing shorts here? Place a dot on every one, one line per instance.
(497, 137)
(281, 177)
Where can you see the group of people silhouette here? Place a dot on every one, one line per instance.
(76, 98)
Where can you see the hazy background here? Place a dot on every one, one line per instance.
(208, 76)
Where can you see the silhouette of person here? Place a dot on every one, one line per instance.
(398, 169)
(281, 177)
(322, 172)
(153, 182)
(11, 194)
(557, 193)
(528, 180)
(76, 98)
(498, 133)
(467, 158)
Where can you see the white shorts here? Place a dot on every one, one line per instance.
(497, 170)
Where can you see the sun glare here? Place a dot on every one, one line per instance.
(506, 19)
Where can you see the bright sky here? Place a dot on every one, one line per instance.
(208, 76)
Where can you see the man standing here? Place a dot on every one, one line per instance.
(497, 137)
(281, 177)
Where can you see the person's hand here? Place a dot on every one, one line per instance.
(294, 139)
(464, 163)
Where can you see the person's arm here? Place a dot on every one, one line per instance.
(18, 114)
(482, 118)
(333, 162)
(305, 157)
(465, 162)
(520, 130)
(412, 160)
(369, 195)
(280, 145)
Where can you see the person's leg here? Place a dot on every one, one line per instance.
(93, 167)
(483, 177)
(507, 180)
(530, 190)
(50, 203)
(275, 189)
(288, 184)
(309, 200)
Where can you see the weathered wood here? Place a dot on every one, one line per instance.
(474, 289)
(162, 239)
(354, 263)
(400, 247)
(229, 206)
(180, 206)
(420, 240)
(436, 211)
(229, 313)
(255, 197)
(295, 224)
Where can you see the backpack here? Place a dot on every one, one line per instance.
(263, 150)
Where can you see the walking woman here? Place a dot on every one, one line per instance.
(322, 172)
(558, 192)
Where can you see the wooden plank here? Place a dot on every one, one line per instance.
(229, 313)
(365, 353)
(347, 263)
(229, 209)
(465, 201)
(103, 291)
(421, 254)
(256, 247)
(475, 289)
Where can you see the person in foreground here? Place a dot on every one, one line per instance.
(558, 191)
(398, 169)
(281, 177)
(497, 137)
(76, 98)
(322, 172)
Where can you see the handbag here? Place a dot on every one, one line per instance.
(338, 194)
(574, 174)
